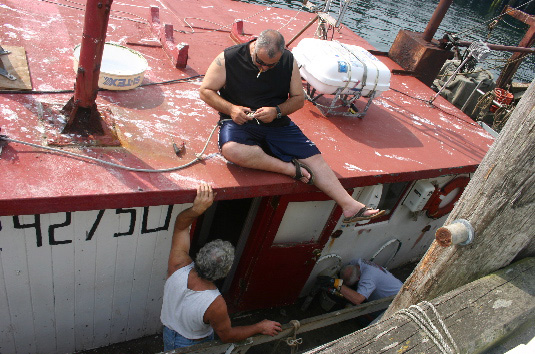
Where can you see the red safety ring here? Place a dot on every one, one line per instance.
(433, 206)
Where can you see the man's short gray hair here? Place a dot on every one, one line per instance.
(213, 261)
(350, 274)
(272, 41)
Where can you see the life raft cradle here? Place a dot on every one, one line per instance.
(344, 99)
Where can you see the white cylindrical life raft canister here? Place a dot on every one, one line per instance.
(330, 65)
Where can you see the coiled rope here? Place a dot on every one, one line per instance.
(417, 314)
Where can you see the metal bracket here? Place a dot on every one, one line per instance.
(7, 75)
(3, 51)
(240, 347)
(3, 141)
(346, 100)
(3, 71)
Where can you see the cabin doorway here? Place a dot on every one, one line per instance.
(228, 220)
(287, 237)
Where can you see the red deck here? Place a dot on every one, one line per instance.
(399, 139)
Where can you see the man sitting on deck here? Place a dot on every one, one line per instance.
(255, 86)
(192, 306)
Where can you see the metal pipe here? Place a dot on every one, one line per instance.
(303, 30)
(94, 35)
(502, 48)
(436, 19)
(343, 9)
(459, 232)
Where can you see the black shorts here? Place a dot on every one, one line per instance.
(284, 143)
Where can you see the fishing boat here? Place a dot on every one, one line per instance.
(90, 189)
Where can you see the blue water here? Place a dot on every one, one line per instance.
(379, 21)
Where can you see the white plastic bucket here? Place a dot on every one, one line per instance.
(121, 69)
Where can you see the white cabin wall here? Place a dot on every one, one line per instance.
(364, 240)
(82, 293)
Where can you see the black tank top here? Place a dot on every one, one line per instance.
(243, 88)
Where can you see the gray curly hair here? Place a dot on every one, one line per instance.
(213, 261)
(272, 41)
(350, 274)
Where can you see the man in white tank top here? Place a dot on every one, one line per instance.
(192, 306)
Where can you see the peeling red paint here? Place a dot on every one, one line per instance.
(424, 230)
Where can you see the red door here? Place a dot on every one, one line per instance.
(288, 236)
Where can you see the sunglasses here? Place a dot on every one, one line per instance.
(261, 63)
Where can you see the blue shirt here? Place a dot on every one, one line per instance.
(375, 282)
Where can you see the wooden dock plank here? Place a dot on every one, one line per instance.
(477, 315)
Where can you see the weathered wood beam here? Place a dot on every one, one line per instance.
(477, 315)
(306, 325)
(499, 202)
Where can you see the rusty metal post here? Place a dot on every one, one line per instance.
(83, 116)
(436, 19)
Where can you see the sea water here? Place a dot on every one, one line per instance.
(379, 21)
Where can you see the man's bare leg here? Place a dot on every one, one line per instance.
(253, 156)
(324, 177)
(328, 183)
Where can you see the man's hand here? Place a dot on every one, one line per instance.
(266, 114)
(240, 115)
(270, 328)
(204, 198)
(328, 282)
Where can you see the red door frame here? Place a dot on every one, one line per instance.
(263, 232)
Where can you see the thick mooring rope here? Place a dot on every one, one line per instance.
(420, 317)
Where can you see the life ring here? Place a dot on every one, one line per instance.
(433, 207)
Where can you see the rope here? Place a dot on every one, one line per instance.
(186, 79)
(197, 158)
(294, 342)
(495, 18)
(420, 317)
(483, 104)
(220, 26)
(501, 116)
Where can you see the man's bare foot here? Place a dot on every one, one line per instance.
(364, 213)
(301, 172)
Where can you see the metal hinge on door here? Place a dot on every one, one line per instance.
(315, 255)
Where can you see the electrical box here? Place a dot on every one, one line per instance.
(419, 195)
